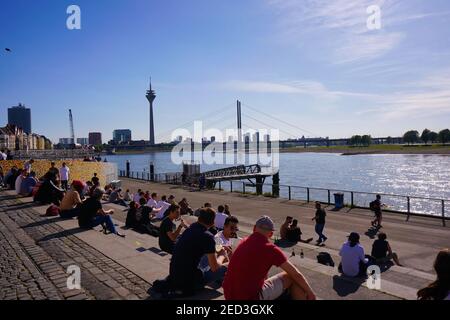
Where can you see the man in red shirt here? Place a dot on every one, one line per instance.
(246, 278)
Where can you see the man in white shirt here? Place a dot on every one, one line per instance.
(153, 201)
(219, 221)
(353, 257)
(163, 205)
(137, 196)
(3, 155)
(64, 173)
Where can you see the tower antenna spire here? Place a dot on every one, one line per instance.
(150, 83)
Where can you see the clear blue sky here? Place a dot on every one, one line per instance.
(313, 64)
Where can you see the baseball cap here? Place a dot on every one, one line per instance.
(354, 237)
(264, 222)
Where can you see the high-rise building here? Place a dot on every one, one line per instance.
(65, 141)
(83, 141)
(122, 135)
(20, 116)
(95, 138)
(151, 97)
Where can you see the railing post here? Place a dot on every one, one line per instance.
(243, 187)
(231, 186)
(289, 192)
(128, 169)
(220, 185)
(329, 196)
(352, 197)
(443, 212)
(307, 194)
(408, 207)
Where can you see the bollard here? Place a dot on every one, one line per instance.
(409, 208)
(307, 194)
(128, 169)
(329, 197)
(290, 193)
(352, 201)
(443, 213)
(152, 171)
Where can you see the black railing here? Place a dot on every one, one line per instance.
(407, 205)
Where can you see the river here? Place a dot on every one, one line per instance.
(409, 175)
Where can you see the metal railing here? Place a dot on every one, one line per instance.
(408, 205)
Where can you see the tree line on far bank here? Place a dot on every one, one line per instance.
(427, 136)
(410, 137)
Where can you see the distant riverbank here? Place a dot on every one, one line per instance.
(375, 149)
(437, 149)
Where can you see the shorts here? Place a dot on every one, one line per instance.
(272, 289)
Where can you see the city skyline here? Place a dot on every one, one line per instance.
(312, 64)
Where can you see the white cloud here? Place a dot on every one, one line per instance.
(336, 30)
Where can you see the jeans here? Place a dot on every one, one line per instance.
(208, 275)
(65, 184)
(98, 220)
(319, 231)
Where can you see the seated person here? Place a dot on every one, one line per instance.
(284, 228)
(137, 196)
(247, 275)
(171, 199)
(131, 221)
(18, 183)
(382, 252)
(220, 218)
(168, 231)
(162, 205)
(440, 288)
(48, 191)
(206, 205)
(92, 213)
(195, 242)
(225, 240)
(26, 188)
(116, 198)
(185, 208)
(294, 233)
(354, 261)
(70, 204)
(127, 196)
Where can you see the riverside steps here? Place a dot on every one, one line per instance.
(36, 251)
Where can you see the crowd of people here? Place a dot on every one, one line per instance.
(209, 251)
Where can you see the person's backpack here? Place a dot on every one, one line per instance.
(373, 205)
(325, 259)
(52, 211)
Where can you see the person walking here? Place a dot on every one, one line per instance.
(64, 173)
(320, 223)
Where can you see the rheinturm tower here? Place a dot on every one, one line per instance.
(151, 97)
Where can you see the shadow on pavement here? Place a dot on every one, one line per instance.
(344, 286)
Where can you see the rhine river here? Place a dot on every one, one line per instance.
(409, 175)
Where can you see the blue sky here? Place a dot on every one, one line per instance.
(312, 64)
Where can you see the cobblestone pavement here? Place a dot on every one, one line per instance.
(35, 253)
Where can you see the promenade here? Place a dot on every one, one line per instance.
(36, 251)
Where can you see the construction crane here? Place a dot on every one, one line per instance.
(72, 132)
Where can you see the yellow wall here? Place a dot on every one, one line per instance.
(79, 170)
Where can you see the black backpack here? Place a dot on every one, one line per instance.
(325, 259)
(372, 205)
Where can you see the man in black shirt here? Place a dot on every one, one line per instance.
(193, 244)
(320, 223)
(92, 213)
(375, 206)
(168, 232)
(382, 252)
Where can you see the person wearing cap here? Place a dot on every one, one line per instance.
(70, 204)
(92, 213)
(246, 278)
(195, 242)
(354, 261)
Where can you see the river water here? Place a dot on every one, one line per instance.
(409, 175)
